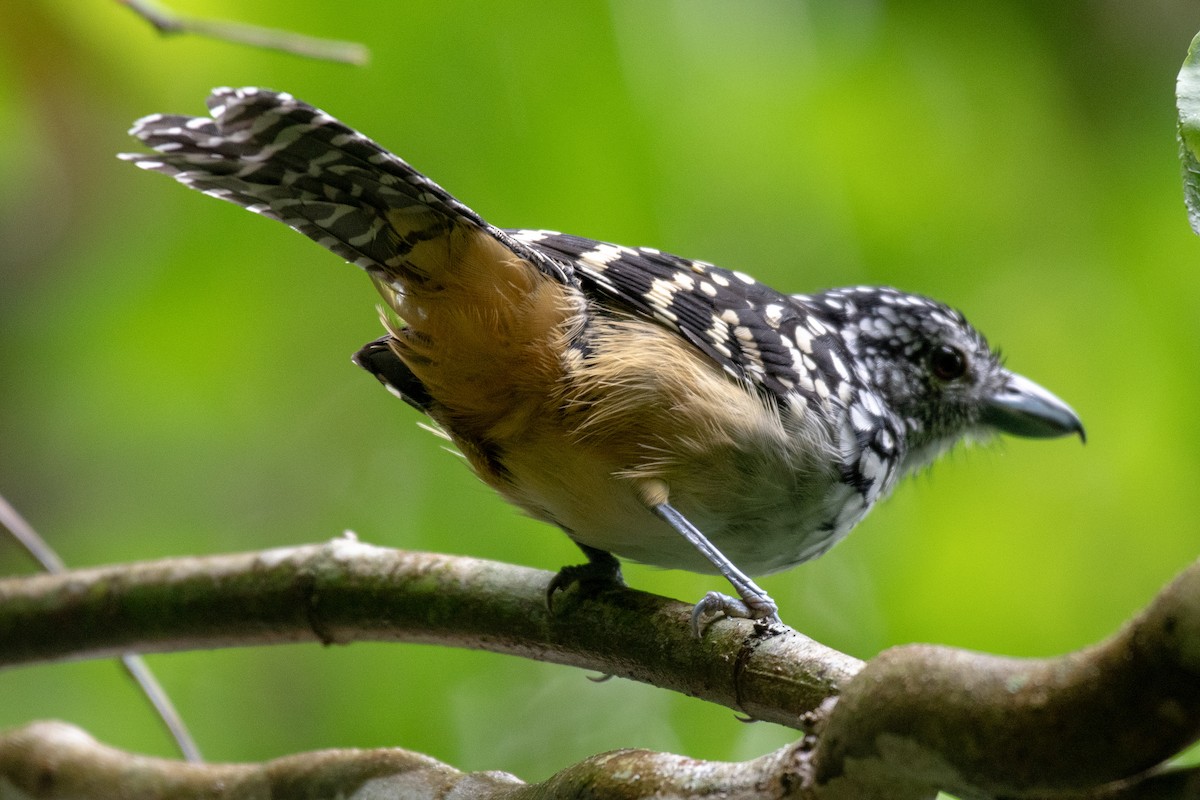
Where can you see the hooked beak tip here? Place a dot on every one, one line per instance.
(1023, 408)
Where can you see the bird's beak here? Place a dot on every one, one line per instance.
(1023, 408)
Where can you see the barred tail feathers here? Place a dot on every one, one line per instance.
(480, 308)
(286, 160)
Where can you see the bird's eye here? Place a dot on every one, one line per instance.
(947, 363)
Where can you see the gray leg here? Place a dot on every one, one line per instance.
(754, 603)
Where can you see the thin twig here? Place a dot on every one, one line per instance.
(137, 668)
(134, 665)
(28, 538)
(168, 22)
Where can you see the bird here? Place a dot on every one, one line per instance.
(655, 408)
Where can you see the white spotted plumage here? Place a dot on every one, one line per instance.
(670, 389)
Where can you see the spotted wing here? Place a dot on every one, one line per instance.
(769, 340)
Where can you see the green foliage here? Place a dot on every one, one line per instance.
(175, 376)
(1187, 93)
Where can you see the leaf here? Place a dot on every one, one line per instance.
(1187, 98)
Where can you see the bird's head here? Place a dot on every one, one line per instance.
(939, 375)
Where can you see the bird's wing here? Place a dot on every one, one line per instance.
(771, 341)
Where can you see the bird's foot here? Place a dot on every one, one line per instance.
(602, 571)
(759, 607)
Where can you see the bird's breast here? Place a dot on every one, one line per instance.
(640, 405)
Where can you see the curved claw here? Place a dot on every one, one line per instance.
(715, 605)
(598, 573)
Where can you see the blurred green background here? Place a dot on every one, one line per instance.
(175, 374)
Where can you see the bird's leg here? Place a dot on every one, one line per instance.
(754, 602)
(602, 570)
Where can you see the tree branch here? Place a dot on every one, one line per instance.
(53, 761)
(346, 591)
(914, 720)
(1023, 727)
(50, 760)
(56, 761)
(16, 526)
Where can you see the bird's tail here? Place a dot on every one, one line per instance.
(480, 308)
(284, 159)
